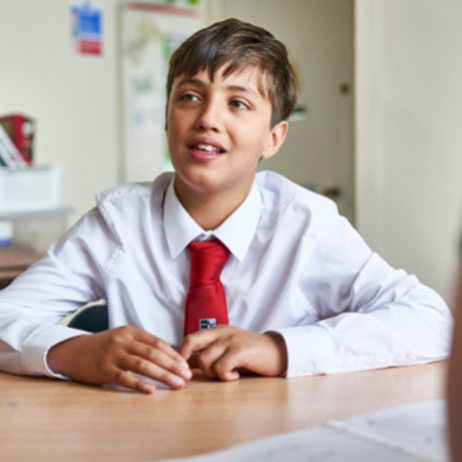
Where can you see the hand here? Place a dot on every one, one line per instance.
(225, 348)
(107, 357)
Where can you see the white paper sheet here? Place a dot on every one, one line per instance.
(418, 429)
(401, 434)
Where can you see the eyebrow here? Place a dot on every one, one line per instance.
(241, 88)
(202, 84)
(193, 81)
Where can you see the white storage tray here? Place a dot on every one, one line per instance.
(32, 188)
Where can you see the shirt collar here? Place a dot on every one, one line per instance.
(236, 232)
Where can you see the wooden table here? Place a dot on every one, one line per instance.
(49, 420)
(13, 262)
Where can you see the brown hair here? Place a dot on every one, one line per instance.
(240, 44)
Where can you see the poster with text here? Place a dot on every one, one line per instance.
(86, 27)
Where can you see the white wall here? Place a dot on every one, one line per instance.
(409, 134)
(73, 98)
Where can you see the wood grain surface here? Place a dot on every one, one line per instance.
(50, 420)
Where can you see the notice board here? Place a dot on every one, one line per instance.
(150, 34)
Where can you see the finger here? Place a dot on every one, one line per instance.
(225, 366)
(142, 366)
(161, 359)
(197, 341)
(209, 356)
(156, 342)
(127, 380)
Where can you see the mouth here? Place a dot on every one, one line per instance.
(202, 148)
(207, 148)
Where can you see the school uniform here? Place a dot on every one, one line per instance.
(296, 267)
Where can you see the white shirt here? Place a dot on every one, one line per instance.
(296, 267)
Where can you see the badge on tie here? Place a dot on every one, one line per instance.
(207, 323)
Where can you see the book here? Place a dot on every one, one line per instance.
(21, 130)
(9, 155)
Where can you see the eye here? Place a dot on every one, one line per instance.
(239, 104)
(189, 97)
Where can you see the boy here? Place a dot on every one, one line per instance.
(246, 271)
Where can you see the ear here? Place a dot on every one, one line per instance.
(276, 137)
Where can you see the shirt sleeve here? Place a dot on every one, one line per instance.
(370, 315)
(70, 275)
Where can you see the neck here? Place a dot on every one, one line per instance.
(210, 209)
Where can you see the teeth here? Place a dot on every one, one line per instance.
(207, 147)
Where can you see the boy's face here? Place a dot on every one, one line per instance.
(217, 131)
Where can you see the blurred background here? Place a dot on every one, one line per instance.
(378, 127)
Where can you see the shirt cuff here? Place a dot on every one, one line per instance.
(309, 350)
(36, 347)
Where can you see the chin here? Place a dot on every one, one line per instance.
(200, 179)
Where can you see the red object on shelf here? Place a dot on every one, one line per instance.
(21, 130)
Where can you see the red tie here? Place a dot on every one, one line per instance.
(206, 302)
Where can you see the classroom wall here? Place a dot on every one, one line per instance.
(73, 98)
(409, 134)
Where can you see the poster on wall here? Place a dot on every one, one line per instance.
(150, 35)
(86, 27)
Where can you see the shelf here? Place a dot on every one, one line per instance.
(36, 213)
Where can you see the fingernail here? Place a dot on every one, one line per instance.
(186, 374)
(149, 388)
(177, 382)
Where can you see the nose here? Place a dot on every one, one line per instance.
(209, 117)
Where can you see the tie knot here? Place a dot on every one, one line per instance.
(207, 261)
